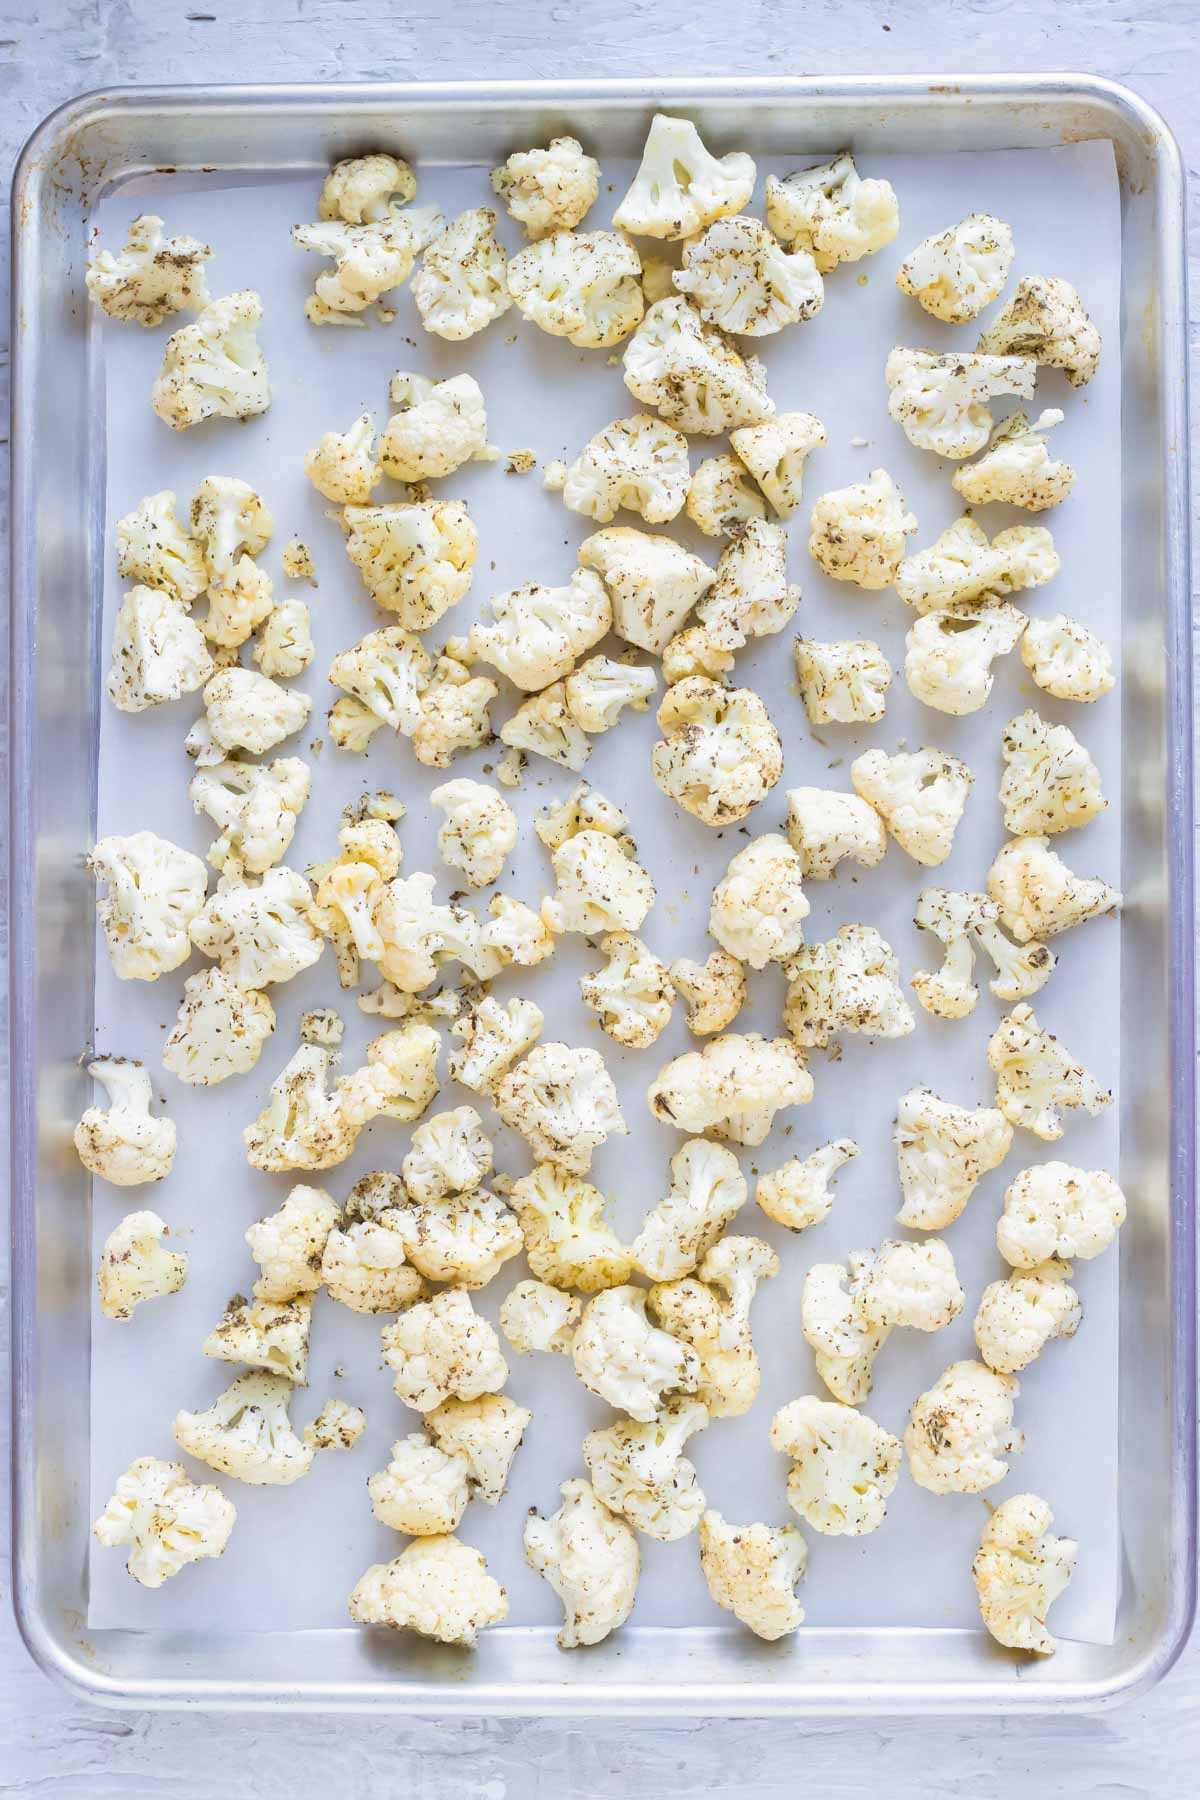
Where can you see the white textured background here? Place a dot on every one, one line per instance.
(49, 1745)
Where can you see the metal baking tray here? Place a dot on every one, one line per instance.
(83, 152)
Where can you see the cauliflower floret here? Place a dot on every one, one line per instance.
(515, 933)
(857, 533)
(692, 373)
(493, 1037)
(220, 1030)
(423, 1491)
(441, 1347)
(824, 826)
(584, 809)
(1038, 895)
(851, 982)
(285, 645)
(942, 1151)
(599, 689)
(450, 1154)
(752, 1571)
(350, 888)
(439, 426)
(958, 272)
(707, 1189)
(633, 995)
(940, 401)
(1016, 468)
(1020, 1570)
(960, 1430)
(568, 1240)
(155, 890)
(653, 582)
(680, 187)
(751, 596)
(265, 1334)
(720, 498)
(719, 754)
(639, 1470)
(962, 923)
(713, 991)
(121, 1142)
(479, 832)
(583, 286)
(158, 652)
(167, 1520)
(398, 1079)
(437, 1587)
(591, 1560)
(154, 550)
(214, 368)
(247, 1433)
(359, 189)
(718, 1327)
(843, 682)
(949, 655)
(247, 711)
(135, 1265)
(337, 1426)
(454, 708)
(301, 1126)
(843, 1340)
(384, 678)
(1036, 1078)
(738, 276)
(758, 907)
(461, 285)
(415, 557)
(600, 886)
(536, 1316)
(238, 608)
(920, 796)
(152, 277)
(363, 1264)
(1046, 321)
(341, 466)
(1017, 1318)
(962, 566)
(262, 932)
(548, 190)
(232, 523)
(543, 726)
(832, 212)
(562, 1102)
(1050, 783)
(537, 632)
(1057, 1211)
(911, 1284)
(1067, 660)
(465, 1239)
(255, 806)
(620, 1356)
(640, 463)
(369, 260)
(733, 1088)
(844, 1465)
(797, 1194)
(487, 1432)
(288, 1245)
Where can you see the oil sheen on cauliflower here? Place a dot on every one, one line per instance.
(1036, 1078)
(338, 1426)
(135, 1265)
(166, 1520)
(1055, 1210)
(152, 277)
(942, 1152)
(797, 1193)
(627, 1361)
(752, 1571)
(1016, 469)
(843, 1340)
(940, 401)
(600, 886)
(850, 983)
(214, 367)
(719, 754)
(581, 285)
(362, 190)
(492, 1038)
(824, 827)
(122, 1142)
(954, 274)
(920, 796)
(830, 211)
(707, 1190)
(1039, 896)
(961, 1429)
(1017, 1318)
(461, 286)
(450, 1154)
(562, 1102)
(858, 533)
(154, 550)
(653, 583)
(640, 1471)
(738, 276)
(1046, 320)
(364, 1264)
(590, 1558)
(437, 1587)
(255, 807)
(733, 1088)
(264, 1334)
(155, 890)
(548, 190)
(693, 374)
(568, 1240)
(486, 1432)
(844, 1465)
(681, 187)
(1020, 1570)
(260, 932)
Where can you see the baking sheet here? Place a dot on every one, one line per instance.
(293, 1557)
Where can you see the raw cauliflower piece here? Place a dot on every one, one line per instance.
(1017, 1318)
(824, 827)
(450, 1154)
(493, 1037)
(797, 1194)
(851, 982)
(844, 1465)
(158, 652)
(692, 373)
(964, 923)
(487, 1432)
(562, 1102)
(568, 1240)
(285, 644)
(415, 557)
(548, 190)
(479, 832)
(231, 522)
(154, 550)
(960, 1430)
(600, 886)
(288, 1245)
(220, 1030)
(963, 566)
(264, 1334)
(1020, 1570)
(1016, 469)
(954, 274)
(949, 655)
(155, 890)
(1038, 895)
(584, 809)
(843, 682)
(590, 1558)
(152, 277)
(135, 1265)
(441, 1347)
(437, 427)
(775, 453)
(759, 907)
(857, 533)
(461, 285)
(247, 711)
(383, 678)
(398, 1079)
(342, 465)
(910, 1284)
(713, 991)
(738, 276)
(1057, 1211)
(830, 211)
(653, 583)
(359, 190)
(680, 187)
(237, 609)
(640, 463)
(543, 726)
(751, 596)
(465, 1239)
(1036, 1078)
(598, 691)
(718, 1326)
(214, 367)
(302, 1126)
(255, 807)
(260, 932)
(942, 1151)
(707, 1190)
(719, 754)
(437, 1587)
(1067, 660)
(1050, 783)
(720, 498)
(752, 1571)
(633, 996)
(515, 933)
(733, 1088)
(167, 1520)
(920, 796)
(363, 1264)
(940, 401)
(581, 285)
(369, 260)
(247, 1433)
(1046, 321)
(639, 1470)
(338, 1426)
(454, 708)
(538, 632)
(121, 1142)
(624, 1359)
(423, 1490)
(843, 1340)
(536, 1316)
(351, 887)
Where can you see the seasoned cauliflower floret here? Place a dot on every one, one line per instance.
(260, 932)
(450, 1154)
(752, 1571)
(598, 691)
(155, 551)
(423, 1490)
(493, 1037)
(759, 907)
(301, 1126)
(920, 796)
(441, 1347)
(1036, 1078)
(415, 558)
(775, 454)
(707, 1190)
(454, 708)
(342, 467)
(590, 1558)
(843, 1340)
(167, 1520)
(1020, 1570)
(543, 726)
(713, 991)
(962, 566)
(231, 521)
(363, 1264)
(961, 1429)
(465, 1239)
(1057, 1211)
(437, 1587)
(824, 827)
(214, 367)
(797, 1193)
(135, 1265)
(369, 260)
(639, 1470)
(247, 1433)
(964, 923)
(537, 632)
(949, 655)
(359, 190)
(536, 1316)
(719, 754)
(568, 1240)
(680, 187)
(584, 809)
(1039, 896)
(733, 1088)
(285, 644)
(581, 285)
(738, 276)
(954, 274)
(158, 652)
(844, 1465)
(600, 886)
(692, 373)
(940, 401)
(461, 285)
(479, 831)
(350, 888)
(652, 582)
(1067, 660)
(237, 608)
(633, 996)
(338, 1426)
(1017, 1318)
(152, 277)
(155, 890)
(220, 1030)
(857, 533)
(1016, 469)
(720, 498)
(620, 1356)
(121, 1142)
(851, 982)
(911, 1284)
(832, 212)
(247, 711)
(640, 463)
(548, 190)
(717, 1326)
(438, 426)
(383, 677)
(942, 1151)
(487, 1431)
(562, 1102)
(1046, 320)
(751, 596)
(398, 1079)
(843, 682)
(288, 1245)
(255, 806)
(1050, 783)
(264, 1334)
